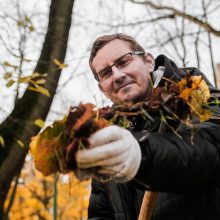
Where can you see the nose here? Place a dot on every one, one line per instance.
(118, 74)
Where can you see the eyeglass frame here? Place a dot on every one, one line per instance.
(115, 63)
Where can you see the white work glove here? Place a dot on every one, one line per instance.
(115, 151)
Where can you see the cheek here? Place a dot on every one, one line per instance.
(108, 91)
(141, 72)
(144, 83)
(143, 78)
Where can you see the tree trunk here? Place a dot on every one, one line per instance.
(19, 125)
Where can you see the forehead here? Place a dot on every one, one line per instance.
(109, 53)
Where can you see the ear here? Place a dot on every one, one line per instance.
(150, 61)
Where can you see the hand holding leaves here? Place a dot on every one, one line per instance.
(54, 148)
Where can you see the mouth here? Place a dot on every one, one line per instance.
(123, 86)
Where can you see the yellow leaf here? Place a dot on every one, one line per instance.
(35, 74)
(40, 81)
(2, 142)
(31, 28)
(20, 143)
(7, 75)
(59, 64)
(40, 90)
(47, 149)
(19, 23)
(39, 122)
(34, 143)
(10, 83)
(27, 19)
(24, 79)
(6, 63)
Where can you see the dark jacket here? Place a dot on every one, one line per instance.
(186, 174)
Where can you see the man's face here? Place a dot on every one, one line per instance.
(130, 83)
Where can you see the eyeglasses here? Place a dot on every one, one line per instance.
(120, 63)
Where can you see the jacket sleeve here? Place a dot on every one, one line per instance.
(189, 163)
(99, 204)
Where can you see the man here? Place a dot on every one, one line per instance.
(186, 174)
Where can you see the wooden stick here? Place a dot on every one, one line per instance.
(147, 206)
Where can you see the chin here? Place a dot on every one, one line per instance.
(132, 98)
(136, 98)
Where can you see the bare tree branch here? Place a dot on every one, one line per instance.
(196, 42)
(210, 43)
(208, 27)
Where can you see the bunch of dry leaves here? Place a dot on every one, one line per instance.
(54, 148)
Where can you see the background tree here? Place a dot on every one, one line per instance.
(34, 200)
(17, 129)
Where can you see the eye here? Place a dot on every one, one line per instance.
(105, 74)
(124, 61)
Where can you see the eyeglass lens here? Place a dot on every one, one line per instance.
(119, 63)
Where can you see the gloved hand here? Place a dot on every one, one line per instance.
(115, 151)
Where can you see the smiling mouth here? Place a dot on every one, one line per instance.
(122, 87)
